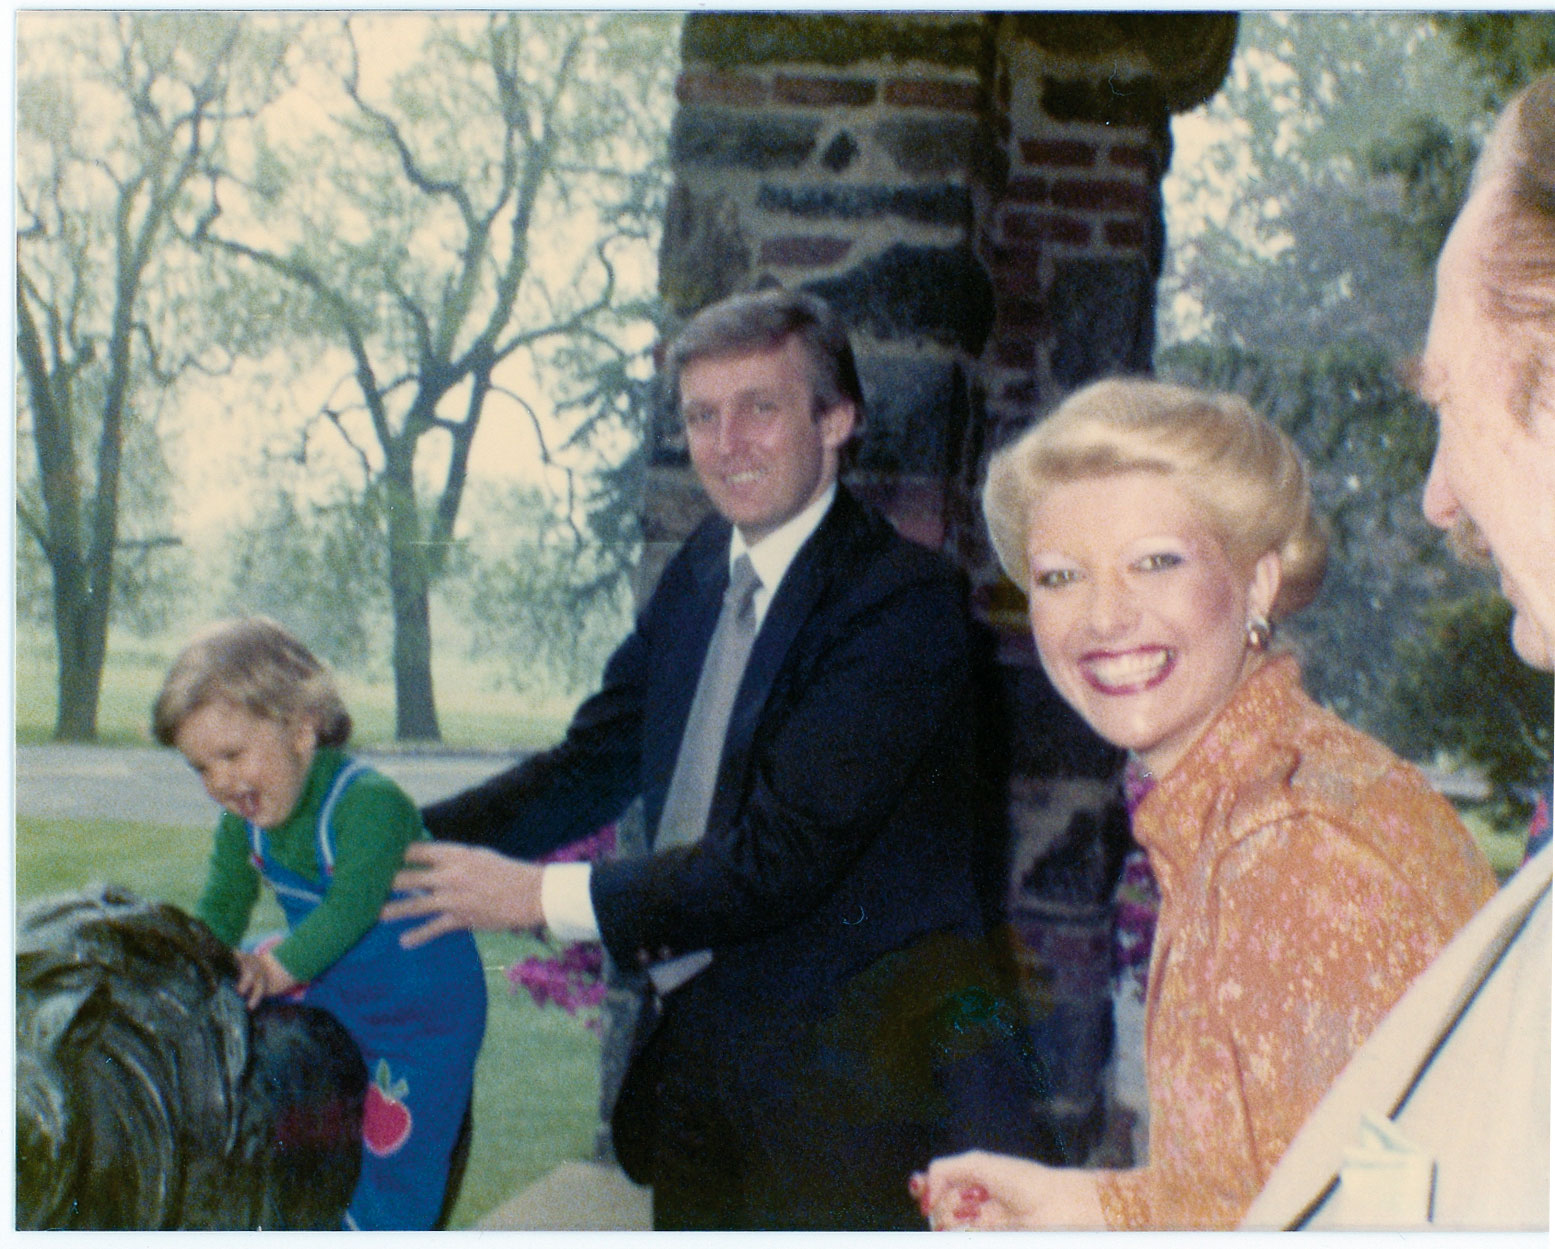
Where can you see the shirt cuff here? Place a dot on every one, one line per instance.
(565, 902)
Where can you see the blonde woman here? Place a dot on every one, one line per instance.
(1307, 875)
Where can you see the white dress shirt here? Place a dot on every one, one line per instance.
(564, 887)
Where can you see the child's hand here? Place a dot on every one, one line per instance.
(260, 976)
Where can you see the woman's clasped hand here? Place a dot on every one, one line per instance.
(979, 1191)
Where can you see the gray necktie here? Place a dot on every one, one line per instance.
(690, 795)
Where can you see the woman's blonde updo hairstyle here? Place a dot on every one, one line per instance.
(1235, 465)
(256, 664)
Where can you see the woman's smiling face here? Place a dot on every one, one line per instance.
(1139, 615)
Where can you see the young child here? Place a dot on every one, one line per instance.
(261, 722)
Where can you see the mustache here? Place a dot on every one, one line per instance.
(1468, 544)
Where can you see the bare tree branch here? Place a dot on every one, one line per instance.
(335, 418)
(34, 525)
(416, 176)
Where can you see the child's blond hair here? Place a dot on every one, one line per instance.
(255, 663)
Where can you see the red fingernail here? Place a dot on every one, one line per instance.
(915, 1185)
(975, 1192)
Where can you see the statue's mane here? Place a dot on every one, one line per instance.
(148, 1096)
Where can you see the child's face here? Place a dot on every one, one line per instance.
(253, 766)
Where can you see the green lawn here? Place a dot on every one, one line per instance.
(537, 1080)
(1503, 846)
(474, 710)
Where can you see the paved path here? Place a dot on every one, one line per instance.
(155, 786)
(576, 1197)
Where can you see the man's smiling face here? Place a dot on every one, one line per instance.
(760, 449)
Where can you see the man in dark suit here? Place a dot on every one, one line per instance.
(824, 1017)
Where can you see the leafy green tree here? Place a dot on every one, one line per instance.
(1434, 159)
(1284, 235)
(1348, 143)
(313, 566)
(538, 592)
(1508, 50)
(119, 117)
(1463, 691)
(458, 206)
(151, 565)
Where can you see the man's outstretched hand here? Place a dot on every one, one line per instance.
(463, 887)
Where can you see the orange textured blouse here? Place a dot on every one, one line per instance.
(1307, 876)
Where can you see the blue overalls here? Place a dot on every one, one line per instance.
(418, 1017)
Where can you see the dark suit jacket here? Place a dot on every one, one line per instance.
(840, 835)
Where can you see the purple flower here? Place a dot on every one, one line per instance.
(588, 849)
(571, 976)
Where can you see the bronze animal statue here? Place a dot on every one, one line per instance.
(149, 1097)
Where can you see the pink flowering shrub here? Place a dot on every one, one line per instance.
(588, 849)
(572, 975)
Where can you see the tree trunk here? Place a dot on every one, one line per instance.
(81, 595)
(82, 642)
(80, 682)
(415, 709)
(80, 621)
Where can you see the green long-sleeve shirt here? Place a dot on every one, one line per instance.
(373, 823)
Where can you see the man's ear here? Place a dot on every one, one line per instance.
(838, 423)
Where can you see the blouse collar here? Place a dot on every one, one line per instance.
(1234, 747)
